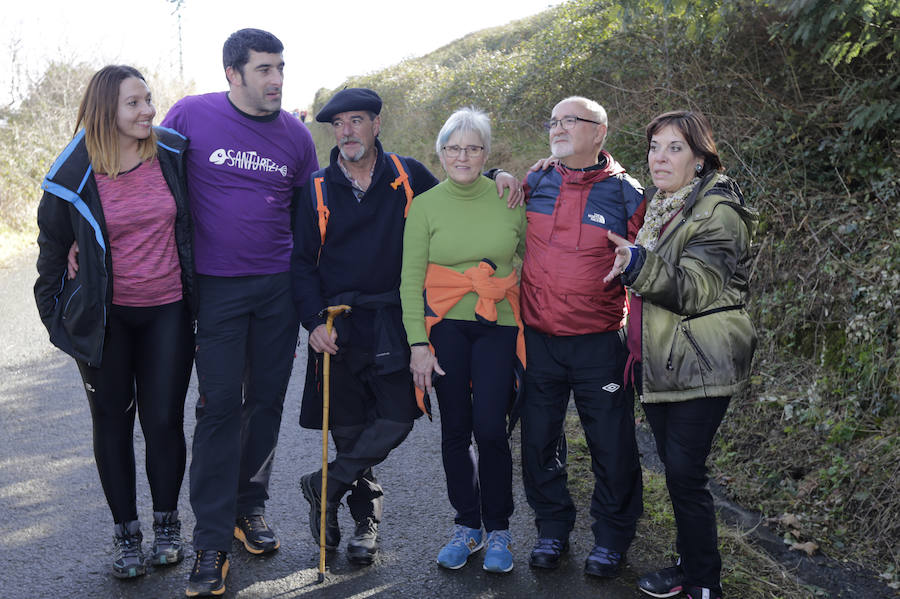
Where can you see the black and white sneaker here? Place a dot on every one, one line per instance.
(667, 582)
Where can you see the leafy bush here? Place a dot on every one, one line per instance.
(802, 97)
(33, 133)
(803, 102)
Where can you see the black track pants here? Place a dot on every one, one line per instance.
(146, 368)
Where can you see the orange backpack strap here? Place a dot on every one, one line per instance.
(402, 179)
(321, 198)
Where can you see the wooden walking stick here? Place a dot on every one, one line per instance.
(326, 376)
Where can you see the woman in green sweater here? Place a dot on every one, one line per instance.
(458, 249)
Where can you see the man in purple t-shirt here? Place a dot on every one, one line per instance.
(245, 157)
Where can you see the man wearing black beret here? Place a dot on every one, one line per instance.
(349, 100)
(348, 242)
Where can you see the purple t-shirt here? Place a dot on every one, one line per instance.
(241, 172)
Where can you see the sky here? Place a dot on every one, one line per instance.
(325, 42)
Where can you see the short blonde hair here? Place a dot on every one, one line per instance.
(98, 113)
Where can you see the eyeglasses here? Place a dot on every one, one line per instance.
(567, 122)
(454, 151)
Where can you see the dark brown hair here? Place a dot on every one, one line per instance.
(696, 131)
(236, 51)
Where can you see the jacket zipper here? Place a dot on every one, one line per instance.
(714, 311)
(672, 350)
(69, 301)
(696, 347)
(690, 337)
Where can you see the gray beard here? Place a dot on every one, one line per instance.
(353, 157)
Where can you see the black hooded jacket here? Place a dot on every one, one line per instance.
(75, 311)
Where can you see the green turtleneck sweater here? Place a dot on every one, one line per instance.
(457, 226)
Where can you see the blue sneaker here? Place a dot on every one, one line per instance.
(498, 557)
(464, 542)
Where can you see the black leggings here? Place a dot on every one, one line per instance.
(147, 357)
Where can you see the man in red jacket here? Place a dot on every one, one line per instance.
(574, 341)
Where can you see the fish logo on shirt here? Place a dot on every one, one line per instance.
(218, 157)
(249, 160)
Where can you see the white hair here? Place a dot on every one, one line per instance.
(597, 111)
(464, 120)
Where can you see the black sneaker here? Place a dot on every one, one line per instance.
(128, 558)
(332, 530)
(363, 545)
(667, 582)
(311, 486)
(255, 534)
(702, 593)
(208, 575)
(547, 552)
(603, 562)
(167, 548)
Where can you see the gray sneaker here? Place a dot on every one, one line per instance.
(128, 558)
(168, 547)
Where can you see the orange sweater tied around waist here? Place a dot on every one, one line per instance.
(444, 287)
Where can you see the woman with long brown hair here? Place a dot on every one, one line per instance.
(116, 201)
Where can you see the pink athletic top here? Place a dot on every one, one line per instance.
(140, 220)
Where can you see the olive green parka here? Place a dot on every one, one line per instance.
(697, 339)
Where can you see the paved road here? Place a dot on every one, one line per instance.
(56, 531)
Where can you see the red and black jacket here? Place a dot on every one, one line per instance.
(567, 250)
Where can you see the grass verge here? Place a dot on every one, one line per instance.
(747, 572)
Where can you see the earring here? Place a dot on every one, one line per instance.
(698, 168)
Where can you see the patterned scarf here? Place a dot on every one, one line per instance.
(660, 211)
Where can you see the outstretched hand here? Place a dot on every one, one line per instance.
(623, 256)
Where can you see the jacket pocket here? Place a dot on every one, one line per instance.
(723, 341)
(676, 356)
(696, 346)
(79, 319)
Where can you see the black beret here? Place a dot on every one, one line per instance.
(350, 99)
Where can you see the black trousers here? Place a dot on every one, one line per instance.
(473, 397)
(684, 433)
(366, 497)
(370, 415)
(590, 366)
(246, 339)
(146, 367)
